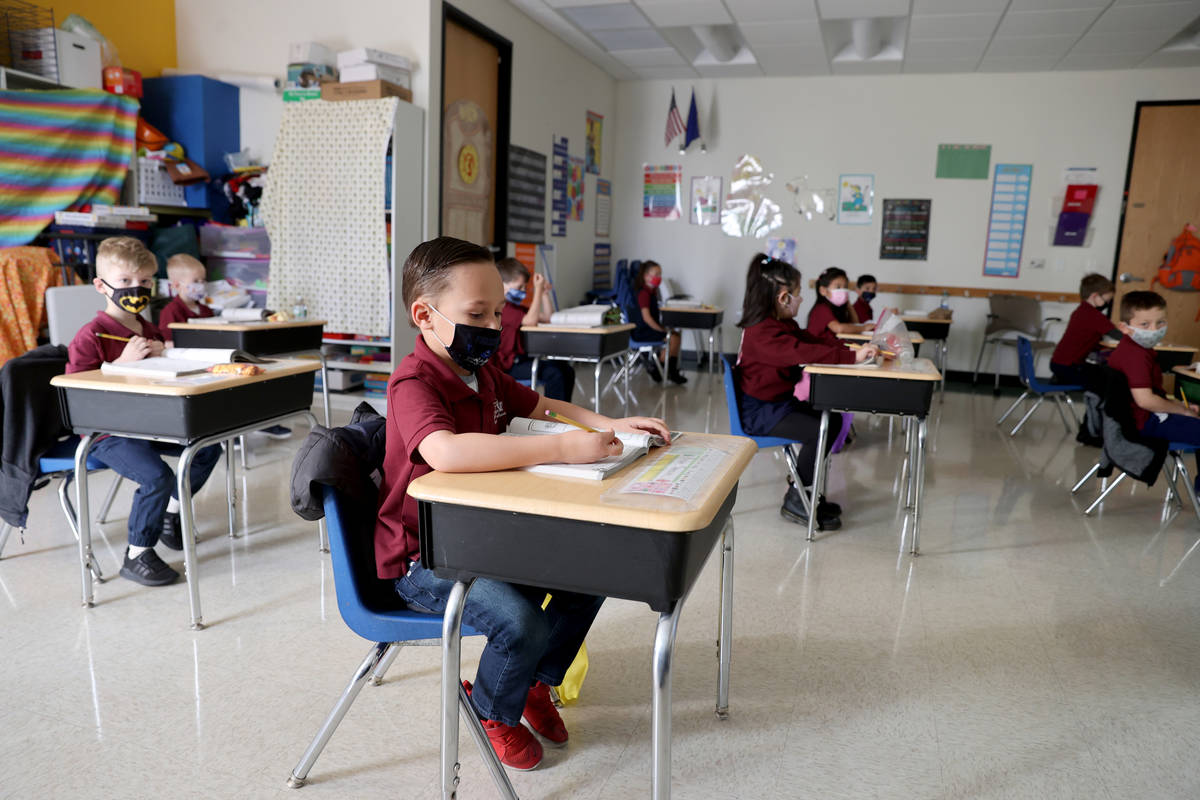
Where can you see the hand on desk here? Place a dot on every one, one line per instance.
(137, 348)
(585, 447)
(652, 425)
(865, 353)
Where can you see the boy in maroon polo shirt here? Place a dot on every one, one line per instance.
(867, 286)
(1144, 323)
(124, 274)
(446, 405)
(186, 275)
(558, 377)
(1089, 324)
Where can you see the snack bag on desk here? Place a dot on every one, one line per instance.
(891, 337)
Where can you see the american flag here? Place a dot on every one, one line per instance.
(675, 124)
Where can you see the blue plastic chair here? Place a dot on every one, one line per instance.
(59, 462)
(389, 628)
(1043, 389)
(627, 302)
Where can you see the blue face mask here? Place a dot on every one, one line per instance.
(1148, 339)
(471, 346)
(867, 296)
(515, 296)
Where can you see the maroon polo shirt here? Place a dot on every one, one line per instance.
(772, 351)
(819, 316)
(1086, 327)
(863, 309)
(425, 395)
(1141, 369)
(89, 351)
(510, 348)
(177, 311)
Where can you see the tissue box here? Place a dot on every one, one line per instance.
(310, 53)
(368, 55)
(376, 72)
(123, 81)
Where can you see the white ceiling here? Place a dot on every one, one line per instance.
(634, 39)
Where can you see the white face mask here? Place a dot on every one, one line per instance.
(193, 291)
(1148, 339)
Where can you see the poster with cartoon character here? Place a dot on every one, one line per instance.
(856, 199)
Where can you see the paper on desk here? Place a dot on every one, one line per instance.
(679, 472)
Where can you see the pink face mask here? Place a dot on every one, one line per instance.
(839, 296)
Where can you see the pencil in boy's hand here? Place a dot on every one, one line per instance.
(854, 346)
(569, 421)
(1183, 394)
(110, 336)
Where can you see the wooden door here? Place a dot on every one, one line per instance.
(1162, 195)
(470, 114)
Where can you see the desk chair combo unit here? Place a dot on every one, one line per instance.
(627, 302)
(1058, 392)
(936, 331)
(1012, 316)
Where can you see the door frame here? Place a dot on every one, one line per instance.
(503, 118)
(1137, 116)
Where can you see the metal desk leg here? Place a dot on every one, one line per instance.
(187, 521)
(84, 516)
(725, 625)
(533, 374)
(910, 487)
(325, 387)
(712, 350)
(660, 725)
(919, 479)
(230, 484)
(818, 471)
(596, 382)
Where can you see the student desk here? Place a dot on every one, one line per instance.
(891, 388)
(566, 343)
(696, 320)
(916, 338)
(1188, 380)
(485, 525)
(194, 411)
(935, 330)
(259, 339)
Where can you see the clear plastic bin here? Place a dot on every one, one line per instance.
(234, 242)
(251, 274)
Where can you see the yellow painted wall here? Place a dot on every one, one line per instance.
(143, 31)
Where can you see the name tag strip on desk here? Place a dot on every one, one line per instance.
(678, 472)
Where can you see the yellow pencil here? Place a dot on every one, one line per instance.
(1183, 394)
(110, 336)
(854, 346)
(570, 421)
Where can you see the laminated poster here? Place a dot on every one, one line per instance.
(575, 186)
(783, 249)
(856, 199)
(560, 205)
(603, 207)
(526, 195)
(1006, 223)
(705, 205)
(661, 191)
(905, 232)
(593, 141)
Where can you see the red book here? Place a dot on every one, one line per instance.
(1080, 198)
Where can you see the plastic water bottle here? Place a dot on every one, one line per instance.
(299, 310)
(945, 300)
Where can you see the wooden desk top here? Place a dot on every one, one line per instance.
(913, 337)
(701, 310)
(1187, 372)
(547, 328)
(246, 326)
(904, 318)
(921, 369)
(181, 386)
(579, 499)
(1158, 348)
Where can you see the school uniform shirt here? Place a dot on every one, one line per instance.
(426, 395)
(177, 311)
(1140, 367)
(511, 349)
(1086, 327)
(647, 298)
(819, 318)
(772, 351)
(89, 351)
(863, 309)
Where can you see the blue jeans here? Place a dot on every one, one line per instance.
(140, 461)
(524, 643)
(1177, 428)
(558, 377)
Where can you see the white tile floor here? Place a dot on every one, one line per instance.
(1027, 653)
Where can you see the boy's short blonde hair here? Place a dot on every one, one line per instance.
(181, 263)
(124, 251)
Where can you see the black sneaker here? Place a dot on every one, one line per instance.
(793, 511)
(148, 569)
(827, 509)
(652, 367)
(172, 531)
(675, 376)
(277, 432)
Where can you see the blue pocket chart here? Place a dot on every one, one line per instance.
(1006, 221)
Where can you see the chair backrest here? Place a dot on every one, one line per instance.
(626, 299)
(1025, 360)
(735, 416)
(69, 308)
(1014, 312)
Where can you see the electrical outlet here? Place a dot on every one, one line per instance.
(1037, 263)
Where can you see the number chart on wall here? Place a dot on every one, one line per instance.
(1006, 222)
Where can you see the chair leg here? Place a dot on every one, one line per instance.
(385, 664)
(1188, 489)
(794, 470)
(1095, 468)
(1013, 407)
(300, 772)
(64, 499)
(1107, 491)
(102, 517)
(4, 534)
(1028, 414)
(979, 361)
(1071, 407)
(1062, 414)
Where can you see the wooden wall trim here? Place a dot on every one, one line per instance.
(967, 291)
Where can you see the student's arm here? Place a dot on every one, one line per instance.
(854, 315)
(650, 321)
(485, 452)
(785, 350)
(849, 327)
(1146, 399)
(599, 421)
(547, 306)
(532, 317)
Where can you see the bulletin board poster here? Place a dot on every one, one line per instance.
(705, 205)
(526, 195)
(968, 161)
(662, 187)
(782, 248)
(560, 205)
(1006, 222)
(601, 266)
(856, 199)
(905, 233)
(603, 207)
(575, 189)
(593, 141)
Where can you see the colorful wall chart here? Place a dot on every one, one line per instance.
(905, 229)
(593, 141)
(661, 189)
(1006, 222)
(602, 266)
(963, 161)
(856, 199)
(560, 204)
(603, 207)
(526, 195)
(575, 186)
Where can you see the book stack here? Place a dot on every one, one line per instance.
(117, 217)
(367, 74)
(376, 384)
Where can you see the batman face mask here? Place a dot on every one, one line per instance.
(130, 298)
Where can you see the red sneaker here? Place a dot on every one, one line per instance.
(543, 717)
(515, 746)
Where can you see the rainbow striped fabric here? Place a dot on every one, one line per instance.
(60, 150)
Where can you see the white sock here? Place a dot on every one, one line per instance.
(135, 551)
(173, 506)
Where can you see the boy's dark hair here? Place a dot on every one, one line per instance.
(639, 280)
(863, 280)
(428, 267)
(1140, 301)
(512, 270)
(1094, 283)
(765, 277)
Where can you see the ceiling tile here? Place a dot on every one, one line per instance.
(949, 65)
(665, 73)
(656, 57)
(958, 6)
(857, 9)
(952, 26)
(1047, 5)
(573, 3)
(1099, 61)
(671, 13)
(942, 49)
(1019, 64)
(1144, 42)
(683, 40)
(729, 70)
(1022, 46)
(614, 16)
(1047, 23)
(1173, 58)
(804, 33)
(638, 39)
(771, 10)
(784, 60)
(1141, 2)
(1145, 18)
(866, 67)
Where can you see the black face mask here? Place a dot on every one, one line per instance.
(131, 298)
(867, 296)
(471, 346)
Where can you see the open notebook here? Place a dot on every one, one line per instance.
(176, 361)
(636, 445)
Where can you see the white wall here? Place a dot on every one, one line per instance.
(890, 126)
